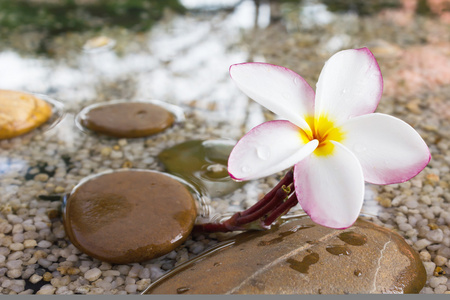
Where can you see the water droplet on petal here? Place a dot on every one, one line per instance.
(296, 81)
(263, 152)
(246, 169)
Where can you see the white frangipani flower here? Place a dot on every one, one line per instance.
(333, 138)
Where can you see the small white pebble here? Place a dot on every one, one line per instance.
(29, 243)
(93, 274)
(435, 236)
(46, 289)
(14, 273)
(421, 244)
(44, 244)
(429, 267)
(35, 278)
(435, 281)
(131, 288)
(440, 260)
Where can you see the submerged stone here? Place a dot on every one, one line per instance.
(129, 216)
(21, 112)
(295, 258)
(203, 164)
(127, 119)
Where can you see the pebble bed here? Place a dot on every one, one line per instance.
(37, 258)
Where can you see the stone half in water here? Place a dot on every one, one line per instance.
(129, 216)
(203, 164)
(294, 258)
(128, 119)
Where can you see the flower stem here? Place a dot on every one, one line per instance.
(267, 210)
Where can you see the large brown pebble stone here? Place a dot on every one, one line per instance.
(20, 113)
(127, 119)
(300, 257)
(129, 216)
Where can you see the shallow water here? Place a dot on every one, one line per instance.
(183, 59)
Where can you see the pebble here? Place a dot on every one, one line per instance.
(29, 243)
(435, 236)
(93, 274)
(46, 289)
(293, 258)
(127, 119)
(21, 113)
(35, 278)
(95, 225)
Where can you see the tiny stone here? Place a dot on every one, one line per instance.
(111, 273)
(440, 289)
(44, 244)
(93, 274)
(14, 273)
(435, 236)
(44, 262)
(47, 289)
(435, 281)
(14, 264)
(35, 278)
(47, 276)
(440, 260)
(142, 284)
(41, 177)
(421, 244)
(16, 246)
(425, 255)
(429, 267)
(29, 243)
(131, 288)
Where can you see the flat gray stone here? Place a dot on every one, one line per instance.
(301, 257)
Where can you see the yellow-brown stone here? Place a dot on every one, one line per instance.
(129, 216)
(20, 113)
(300, 257)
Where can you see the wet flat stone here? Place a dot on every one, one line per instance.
(300, 257)
(129, 216)
(21, 113)
(127, 119)
(203, 163)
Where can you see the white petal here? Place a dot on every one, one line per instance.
(279, 89)
(268, 148)
(349, 85)
(389, 150)
(330, 188)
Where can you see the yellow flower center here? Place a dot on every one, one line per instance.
(323, 130)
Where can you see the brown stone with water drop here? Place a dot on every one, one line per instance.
(129, 216)
(300, 257)
(128, 119)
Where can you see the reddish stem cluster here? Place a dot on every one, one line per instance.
(273, 205)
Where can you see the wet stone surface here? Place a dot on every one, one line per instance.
(299, 257)
(129, 216)
(21, 113)
(127, 120)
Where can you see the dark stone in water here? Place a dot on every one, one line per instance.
(203, 164)
(129, 216)
(127, 119)
(283, 260)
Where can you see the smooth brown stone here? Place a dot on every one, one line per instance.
(20, 113)
(128, 119)
(295, 258)
(129, 216)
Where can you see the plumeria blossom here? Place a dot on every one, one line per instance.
(332, 137)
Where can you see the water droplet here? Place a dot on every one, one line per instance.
(338, 250)
(357, 273)
(353, 238)
(296, 80)
(359, 148)
(246, 169)
(303, 266)
(263, 152)
(182, 290)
